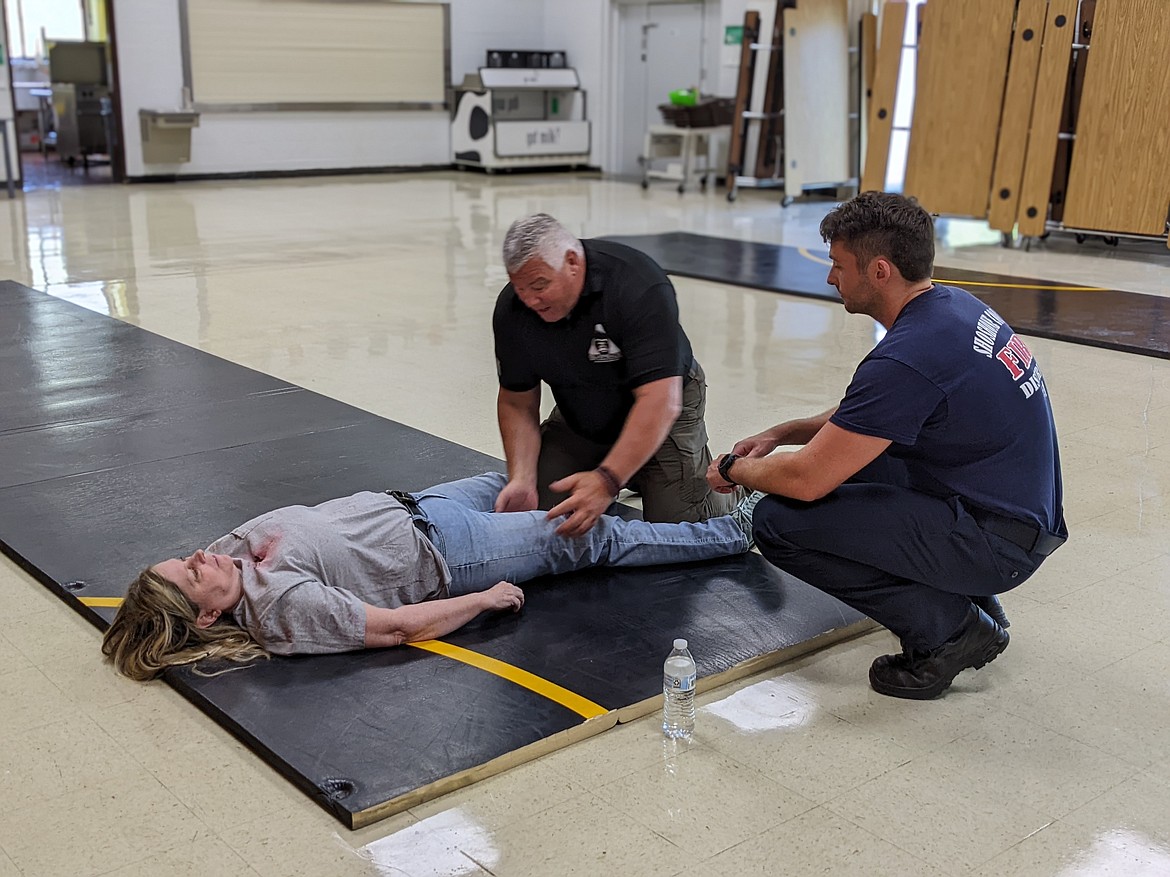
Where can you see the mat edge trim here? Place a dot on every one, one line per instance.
(756, 664)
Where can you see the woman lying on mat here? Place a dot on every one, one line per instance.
(372, 570)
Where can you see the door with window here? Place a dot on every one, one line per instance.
(65, 126)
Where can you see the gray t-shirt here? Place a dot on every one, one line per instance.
(308, 570)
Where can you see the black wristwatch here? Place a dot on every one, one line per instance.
(725, 467)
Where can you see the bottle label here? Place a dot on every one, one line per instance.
(681, 683)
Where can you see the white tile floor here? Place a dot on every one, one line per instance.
(1054, 760)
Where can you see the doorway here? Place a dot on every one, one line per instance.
(660, 50)
(61, 72)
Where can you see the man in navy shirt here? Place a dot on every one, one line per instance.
(935, 483)
(598, 322)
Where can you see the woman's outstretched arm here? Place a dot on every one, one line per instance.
(435, 618)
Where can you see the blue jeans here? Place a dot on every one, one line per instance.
(482, 547)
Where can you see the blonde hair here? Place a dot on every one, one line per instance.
(155, 628)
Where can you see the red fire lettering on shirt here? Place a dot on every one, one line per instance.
(1015, 356)
(1021, 349)
(1008, 358)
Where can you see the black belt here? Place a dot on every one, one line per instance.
(416, 513)
(1031, 537)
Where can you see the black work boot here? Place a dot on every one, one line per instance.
(922, 675)
(991, 605)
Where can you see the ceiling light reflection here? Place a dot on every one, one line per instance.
(1121, 852)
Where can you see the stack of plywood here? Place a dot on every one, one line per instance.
(791, 125)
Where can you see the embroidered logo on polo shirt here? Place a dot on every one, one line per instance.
(602, 349)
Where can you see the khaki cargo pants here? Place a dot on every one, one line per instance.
(672, 484)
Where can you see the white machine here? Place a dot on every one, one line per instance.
(510, 117)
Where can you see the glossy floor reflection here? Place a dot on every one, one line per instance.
(48, 171)
(378, 291)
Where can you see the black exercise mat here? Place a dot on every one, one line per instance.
(119, 448)
(1127, 321)
(727, 609)
(62, 365)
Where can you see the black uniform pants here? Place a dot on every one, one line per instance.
(908, 560)
(672, 484)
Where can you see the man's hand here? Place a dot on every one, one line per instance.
(517, 497)
(759, 445)
(588, 500)
(503, 595)
(715, 480)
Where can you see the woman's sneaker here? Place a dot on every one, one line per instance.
(743, 512)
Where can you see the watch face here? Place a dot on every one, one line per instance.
(725, 465)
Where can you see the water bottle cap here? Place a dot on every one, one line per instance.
(680, 644)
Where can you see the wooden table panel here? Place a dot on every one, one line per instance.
(816, 89)
(881, 104)
(962, 69)
(1017, 114)
(1120, 175)
(1051, 85)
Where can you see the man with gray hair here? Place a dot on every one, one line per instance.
(598, 322)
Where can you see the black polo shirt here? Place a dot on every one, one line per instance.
(622, 333)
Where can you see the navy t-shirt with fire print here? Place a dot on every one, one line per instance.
(963, 400)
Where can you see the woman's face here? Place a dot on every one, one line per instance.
(210, 581)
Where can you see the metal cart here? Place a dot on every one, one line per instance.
(682, 147)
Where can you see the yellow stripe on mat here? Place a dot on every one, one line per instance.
(804, 252)
(808, 255)
(575, 702)
(102, 602)
(1022, 285)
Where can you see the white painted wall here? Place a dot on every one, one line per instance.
(151, 74)
(586, 30)
(479, 25)
(726, 73)
(149, 57)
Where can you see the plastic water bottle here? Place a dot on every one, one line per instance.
(678, 692)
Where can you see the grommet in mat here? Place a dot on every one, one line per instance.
(1060, 21)
(882, 113)
(337, 788)
(75, 586)
(1005, 194)
(1027, 34)
(1032, 211)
